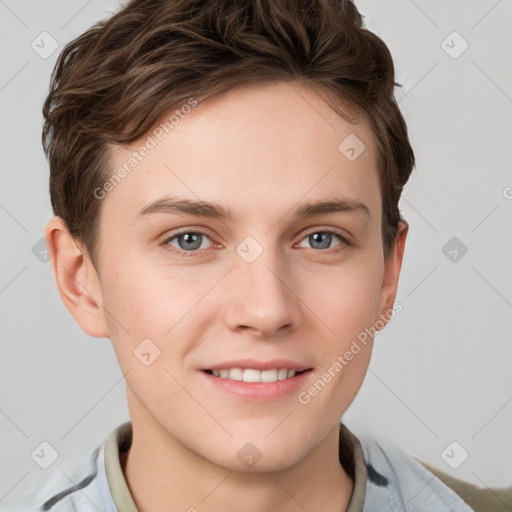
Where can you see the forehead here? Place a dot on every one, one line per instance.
(252, 149)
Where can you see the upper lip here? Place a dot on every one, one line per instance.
(260, 365)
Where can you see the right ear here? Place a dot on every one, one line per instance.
(77, 280)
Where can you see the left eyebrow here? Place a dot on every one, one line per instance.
(216, 211)
(332, 206)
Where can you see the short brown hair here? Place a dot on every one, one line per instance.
(111, 84)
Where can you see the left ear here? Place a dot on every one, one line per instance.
(391, 274)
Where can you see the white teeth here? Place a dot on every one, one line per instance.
(236, 374)
(252, 375)
(269, 376)
(282, 374)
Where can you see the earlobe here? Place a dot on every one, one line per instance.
(77, 281)
(392, 269)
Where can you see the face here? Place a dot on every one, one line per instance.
(276, 283)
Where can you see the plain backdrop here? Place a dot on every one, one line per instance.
(441, 370)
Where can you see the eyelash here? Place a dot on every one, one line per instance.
(187, 254)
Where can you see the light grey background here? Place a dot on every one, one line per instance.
(441, 370)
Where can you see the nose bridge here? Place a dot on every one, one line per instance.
(262, 297)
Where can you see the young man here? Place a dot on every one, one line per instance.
(225, 178)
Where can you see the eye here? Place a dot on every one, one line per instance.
(191, 243)
(188, 242)
(321, 239)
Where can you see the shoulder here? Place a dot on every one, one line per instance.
(77, 486)
(481, 499)
(397, 481)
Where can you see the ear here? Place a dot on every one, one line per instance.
(392, 269)
(78, 283)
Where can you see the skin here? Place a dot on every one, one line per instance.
(261, 151)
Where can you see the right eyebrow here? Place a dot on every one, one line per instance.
(187, 206)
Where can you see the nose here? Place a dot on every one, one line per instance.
(260, 297)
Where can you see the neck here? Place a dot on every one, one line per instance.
(163, 474)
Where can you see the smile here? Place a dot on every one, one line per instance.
(253, 375)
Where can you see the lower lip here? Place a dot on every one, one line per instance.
(259, 391)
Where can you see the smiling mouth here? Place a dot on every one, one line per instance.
(253, 375)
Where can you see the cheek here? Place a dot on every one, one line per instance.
(348, 310)
(346, 299)
(143, 301)
(148, 299)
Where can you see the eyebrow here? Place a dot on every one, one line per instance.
(215, 211)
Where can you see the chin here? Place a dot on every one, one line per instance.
(261, 462)
(256, 454)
